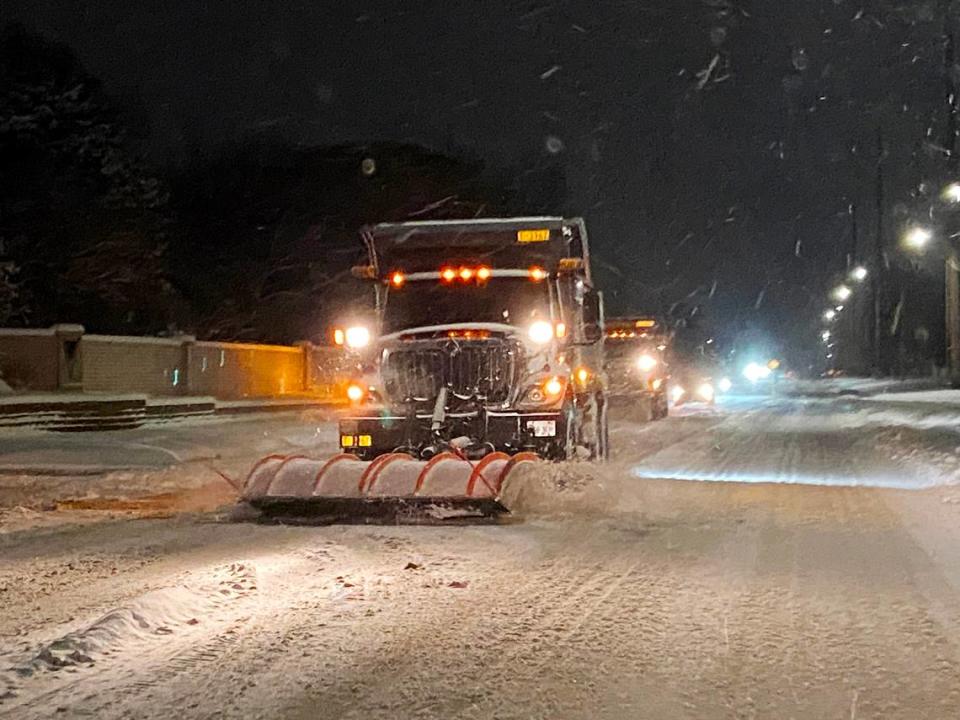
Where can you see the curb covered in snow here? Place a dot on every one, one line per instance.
(86, 413)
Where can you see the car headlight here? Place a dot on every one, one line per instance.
(725, 385)
(357, 337)
(705, 391)
(646, 363)
(754, 372)
(541, 332)
(677, 392)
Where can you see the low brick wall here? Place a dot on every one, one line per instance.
(29, 359)
(118, 363)
(49, 360)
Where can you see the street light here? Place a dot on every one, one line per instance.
(841, 292)
(916, 238)
(830, 314)
(951, 193)
(859, 273)
(825, 335)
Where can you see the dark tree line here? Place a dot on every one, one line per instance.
(83, 225)
(251, 242)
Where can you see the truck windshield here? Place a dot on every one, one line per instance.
(512, 301)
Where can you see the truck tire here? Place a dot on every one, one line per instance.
(647, 409)
(604, 430)
(594, 434)
(662, 406)
(567, 449)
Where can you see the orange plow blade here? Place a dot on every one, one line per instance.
(391, 488)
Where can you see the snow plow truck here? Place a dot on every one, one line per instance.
(486, 353)
(636, 364)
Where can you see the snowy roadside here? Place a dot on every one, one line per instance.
(48, 479)
(826, 387)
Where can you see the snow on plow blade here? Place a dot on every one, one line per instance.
(393, 487)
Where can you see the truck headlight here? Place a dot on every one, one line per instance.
(677, 392)
(646, 363)
(553, 387)
(544, 391)
(725, 385)
(541, 332)
(357, 337)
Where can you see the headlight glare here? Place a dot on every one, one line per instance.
(541, 332)
(553, 387)
(357, 337)
(646, 363)
(705, 391)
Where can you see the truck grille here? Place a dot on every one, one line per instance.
(488, 369)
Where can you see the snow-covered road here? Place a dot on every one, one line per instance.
(819, 578)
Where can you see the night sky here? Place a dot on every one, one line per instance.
(714, 146)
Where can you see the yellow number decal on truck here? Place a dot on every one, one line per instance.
(528, 236)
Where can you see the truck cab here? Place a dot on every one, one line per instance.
(636, 365)
(487, 337)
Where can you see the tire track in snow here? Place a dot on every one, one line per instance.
(94, 654)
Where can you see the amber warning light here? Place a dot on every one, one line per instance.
(465, 274)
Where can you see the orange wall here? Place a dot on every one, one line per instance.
(175, 366)
(238, 370)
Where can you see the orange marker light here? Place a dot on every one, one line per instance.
(483, 273)
(537, 273)
(397, 279)
(561, 330)
(583, 375)
(466, 274)
(339, 338)
(448, 274)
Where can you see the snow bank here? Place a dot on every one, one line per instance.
(579, 487)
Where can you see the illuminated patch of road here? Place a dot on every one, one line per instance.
(878, 481)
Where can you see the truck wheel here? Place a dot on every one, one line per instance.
(647, 409)
(571, 430)
(594, 436)
(663, 407)
(604, 431)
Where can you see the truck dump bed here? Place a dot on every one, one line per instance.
(508, 242)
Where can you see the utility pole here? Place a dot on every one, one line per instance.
(856, 353)
(876, 276)
(952, 312)
(951, 293)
